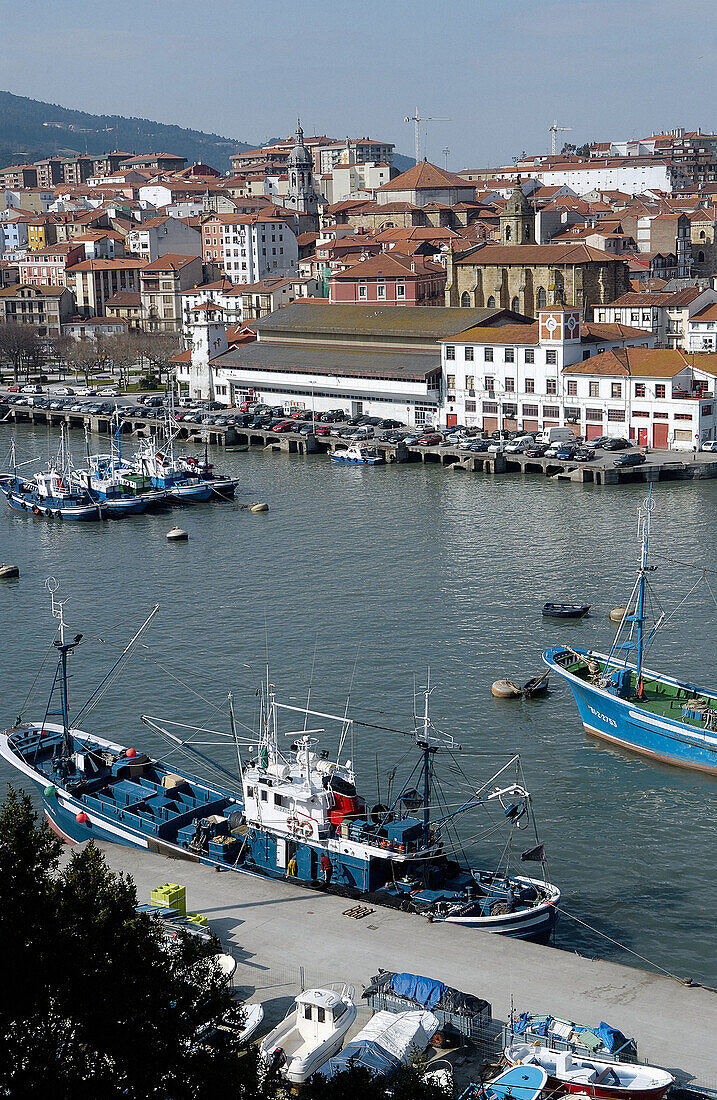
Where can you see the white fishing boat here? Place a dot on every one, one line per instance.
(600, 1079)
(358, 454)
(311, 1033)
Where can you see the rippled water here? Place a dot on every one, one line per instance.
(377, 574)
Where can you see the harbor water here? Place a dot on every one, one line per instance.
(360, 579)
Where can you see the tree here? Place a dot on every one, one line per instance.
(20, 344)
(159, 348)
(95, 1002)
(578, 150)
(123, 351)
(88, 356)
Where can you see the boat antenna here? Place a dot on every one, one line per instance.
(64, 648)
(233, 725)
(643, 527)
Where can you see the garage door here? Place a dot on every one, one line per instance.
(490, 423)
(592, 431)
(659, 435)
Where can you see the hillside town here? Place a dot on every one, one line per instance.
(575, 288)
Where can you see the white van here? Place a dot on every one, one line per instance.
(709, 445)
(556, 435)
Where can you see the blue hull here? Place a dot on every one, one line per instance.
(49, 510)
(625, 723)
(123, 506)
(190, 494)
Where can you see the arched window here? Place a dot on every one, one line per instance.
(702, 234)
(515, 305)
(526, 234)
(700, 257)
(465, 298)
(507, 232)
(491, 302)
(542, 298)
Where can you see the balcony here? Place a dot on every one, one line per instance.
(691, 395)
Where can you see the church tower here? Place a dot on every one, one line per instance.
(300, 194)
(517, 222)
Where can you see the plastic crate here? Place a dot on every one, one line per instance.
(199, 919)
(170, 894)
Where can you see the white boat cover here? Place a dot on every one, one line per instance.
(400, 1033)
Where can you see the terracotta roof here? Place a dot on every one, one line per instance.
(644, 363)
(307, 315)
(389, 265)
(534, 254)
(425, 176)
(173, 261)
(666, 298)
(124, 299)
(707, 314)
(124, 262)
(45, 291)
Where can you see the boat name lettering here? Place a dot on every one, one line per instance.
(604, 717)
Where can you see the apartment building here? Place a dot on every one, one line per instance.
(161, 286)
(250, 247)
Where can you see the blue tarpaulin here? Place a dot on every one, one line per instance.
(612, 1038)
(424, 991)
(362, 1053)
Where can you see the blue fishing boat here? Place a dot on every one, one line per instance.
(110, 480)
(156, 461)
(51, 493)
(358, 454)
(291, 813)
(622, 701)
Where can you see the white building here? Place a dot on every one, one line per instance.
(157, 237)
(666, 314)
(250, 247)
(14, 229)
(222, 293)
(702, 329)
(598, 379)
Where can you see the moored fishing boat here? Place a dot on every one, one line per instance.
(622, 701)
(51, 493)
(292, 814)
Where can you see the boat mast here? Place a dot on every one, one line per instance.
(424, 743)
(64, 648)
(644, 523)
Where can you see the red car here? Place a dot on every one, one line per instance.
(430, 439)
(15, 388)
(284, 426)
(298, 414)
(323, 431)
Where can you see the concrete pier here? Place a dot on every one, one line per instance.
(280, 933)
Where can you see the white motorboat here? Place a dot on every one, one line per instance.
(311, 1033)
(389, 1040)
(253, 1016)
(606, 1080)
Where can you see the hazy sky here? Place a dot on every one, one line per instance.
(501, 70)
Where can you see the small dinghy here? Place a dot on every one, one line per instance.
(604, 1080)
(311, 1033)
(603, 1042)
(565, 610)
(253, 1016)
(521, 1082)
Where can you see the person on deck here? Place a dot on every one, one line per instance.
(326, 868)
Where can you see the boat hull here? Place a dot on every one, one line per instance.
(624, 723)
(20, 503)
(124, 506)
(357, 461)
(190, 494)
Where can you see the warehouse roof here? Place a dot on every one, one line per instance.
(432, 322)
(346, 362)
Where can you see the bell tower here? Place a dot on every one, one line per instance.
(300, 194)
(517, 222)
(209, 339)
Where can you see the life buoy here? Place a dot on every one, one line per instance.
(292, 823)
(307, 830)
(35, 510)
(48, 512)
(58, 514)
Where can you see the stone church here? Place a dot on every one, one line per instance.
(521, 275)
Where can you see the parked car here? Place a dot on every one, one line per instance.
(355, 420)
(284, 426)
(632, 458)
(365, 431)
(600, 441)
(584, 454)
(109, 391)
(616, 445)
(496, 446)
(86, 391)
(536, 451)
(478, 446)
(32, 388)
(519, 444)
(430, 439)
(64, 391)
(14, 388)
(709, 445)
(323, 429)
(411, 439)
(388, 423)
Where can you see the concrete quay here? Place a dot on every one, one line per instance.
(660, 465)
(282, 934)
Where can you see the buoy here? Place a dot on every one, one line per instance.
(8, 571)
(49, 792)
(131, 753)
(618, 614)
(259, 508)
(177, 535)
(505, 689)
(81, 819)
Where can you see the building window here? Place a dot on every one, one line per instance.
(616, 389)
(530, 410)
(551, 386)
(530, 356)
(542, 298)
(490, 407)
(380, 291)
(515, 305)
(362, 292)
(488, 354)
(530, 385)
(510, 355)
(660, 389)
(470, 383)
(640, 412)
(593, 415)
(400, 290)
(572, 389)
(470, 406)
(661, 416)
(551, 412)
(491, 302)
(707, 410)
(468, 352)
(639, 389)
(489, 382)
(683, 416)
(594, 389)
(510, 385)
(465, 299)
(551, 358)
(451, 381)
(450, 351)
(616, 414)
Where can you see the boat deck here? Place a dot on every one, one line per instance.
(283, 936)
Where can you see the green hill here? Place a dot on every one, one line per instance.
(30, 130)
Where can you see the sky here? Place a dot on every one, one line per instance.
(499, 70)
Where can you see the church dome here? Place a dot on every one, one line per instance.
(299, 157)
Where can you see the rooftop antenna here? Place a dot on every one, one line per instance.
(417, 119)
(554, 130)
(446, 154)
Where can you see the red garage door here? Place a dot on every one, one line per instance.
(490, 423)
(592, 431)
(659, 435)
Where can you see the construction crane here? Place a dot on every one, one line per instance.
(554, 130)
(416, 119)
